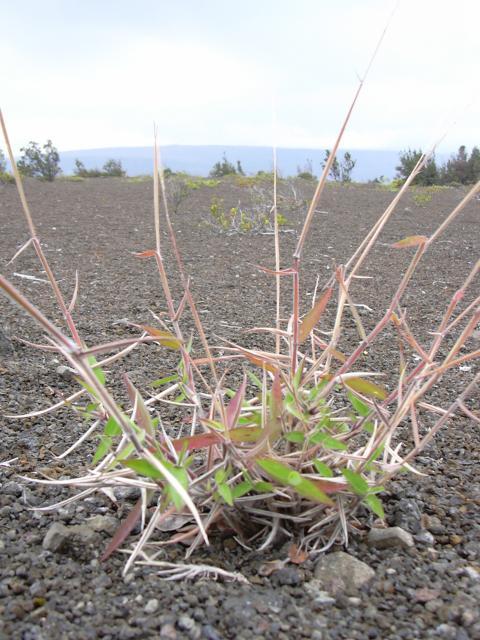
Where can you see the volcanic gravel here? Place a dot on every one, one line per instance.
(428, 590)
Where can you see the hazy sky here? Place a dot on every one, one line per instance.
(98, 73)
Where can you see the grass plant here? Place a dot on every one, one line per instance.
(304, 444)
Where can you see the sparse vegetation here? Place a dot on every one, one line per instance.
(5, 177)
(111, 169)
(308, 437)
(340, 171)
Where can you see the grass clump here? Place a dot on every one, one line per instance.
(305, 441)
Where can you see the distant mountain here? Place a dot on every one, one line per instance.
(198, 160)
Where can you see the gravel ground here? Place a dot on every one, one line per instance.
(424, 584)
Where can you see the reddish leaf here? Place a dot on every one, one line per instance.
(276, 404)
(233, 409)
(296, 555)
(261, 362)
(123, 530)
(329, 487)
(150, 253)
(282, 272)
(410, 241)
(142, 417)
(165, 338)
(200, 441)
(314, 315)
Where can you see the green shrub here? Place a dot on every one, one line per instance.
(224, 168)
(111, 169)
(43, 163)
(6, 178)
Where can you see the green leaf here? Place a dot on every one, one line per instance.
(368, 427)
(226, 493)
(360, 407)
(220, 476)
(295, 436)
(366, 388)
(377, 489)
(292, 407)
(328, 441)
(255, 380)
(287, 476)
(263, 487)
(102, 449)
(297, 378)
(182, 476)
(316, 390)
(99, 373)
(163, 381)
(143, 468)
(112, 428)
(375, 504)
(241, 489)
(355, 480)
(323, 469)
(294, 479)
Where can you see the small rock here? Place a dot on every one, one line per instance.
(37, 589)
(455, 539)
(472, 573)
(469, 616)
(424, 537)
(107, 524)
(151, 606)
(446, 631)
(389, 538)
(289, 575)
(425, 594)
(433, 524)
(56, 537)
(185, 623)
(65, 372)
(209, 633)
(167, 632)
(314, 589)
(126, 493)
(434, 605)
(407, 515)
(59, 536)
(12, 489)
(340, 571)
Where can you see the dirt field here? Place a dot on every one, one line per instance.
(429, 591)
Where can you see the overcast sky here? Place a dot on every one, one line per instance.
(98, 73)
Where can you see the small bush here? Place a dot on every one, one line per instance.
(224, 168)
(6, 178)
(43, 163)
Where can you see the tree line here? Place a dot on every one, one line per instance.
(461, 168)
